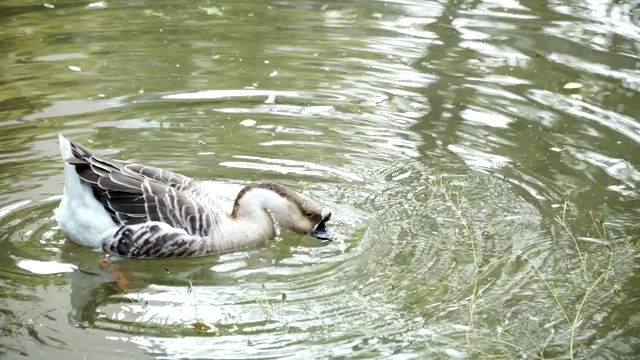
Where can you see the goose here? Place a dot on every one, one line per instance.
(138, 211)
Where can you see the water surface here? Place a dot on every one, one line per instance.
(480, 157)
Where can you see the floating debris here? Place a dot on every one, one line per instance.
(150, 12)
(74, 68)
(247, 122)
(572, 85)
(211, 10)
(97, 5)
(49, 6)
(201, 327)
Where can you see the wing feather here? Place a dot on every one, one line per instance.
(134, 193)
(109, 184)
(155, 240)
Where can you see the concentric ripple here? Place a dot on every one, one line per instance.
(480, 158)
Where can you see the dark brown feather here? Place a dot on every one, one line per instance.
(134, 193)
(152, 241)
(76, 161)
(86, 174)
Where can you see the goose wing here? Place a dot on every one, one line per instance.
(135, 194)
(155, 240)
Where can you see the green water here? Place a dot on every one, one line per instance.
(483, 207)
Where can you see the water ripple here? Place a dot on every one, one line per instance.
(466, 177)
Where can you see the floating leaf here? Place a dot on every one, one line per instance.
(247, 122)
(572, 85)
(211, 10)
(200, 325)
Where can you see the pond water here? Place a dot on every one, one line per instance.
(480, 157)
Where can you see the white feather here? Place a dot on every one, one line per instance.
(80, 215)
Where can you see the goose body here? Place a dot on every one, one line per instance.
(134, 210)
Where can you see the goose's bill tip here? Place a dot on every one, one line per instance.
(322, 233)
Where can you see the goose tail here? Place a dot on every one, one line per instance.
(71, 178)
(65, 147)
(80, 216)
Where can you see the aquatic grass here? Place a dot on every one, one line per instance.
(199, 325)
(271, 309)
(438, 185)
(593, 279)
(596, 280)
(446, 188)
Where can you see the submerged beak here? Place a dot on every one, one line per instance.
(320, 232)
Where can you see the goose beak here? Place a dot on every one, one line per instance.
(320, 231)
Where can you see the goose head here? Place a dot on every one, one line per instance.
(305, 216)
(294, 211)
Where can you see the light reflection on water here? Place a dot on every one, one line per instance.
(440, 133)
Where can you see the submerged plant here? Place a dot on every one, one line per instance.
(591, 287)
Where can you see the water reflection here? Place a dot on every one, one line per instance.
(442, 133)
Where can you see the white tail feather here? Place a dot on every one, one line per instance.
(80, 216)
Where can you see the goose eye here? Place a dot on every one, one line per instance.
(309, 214)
